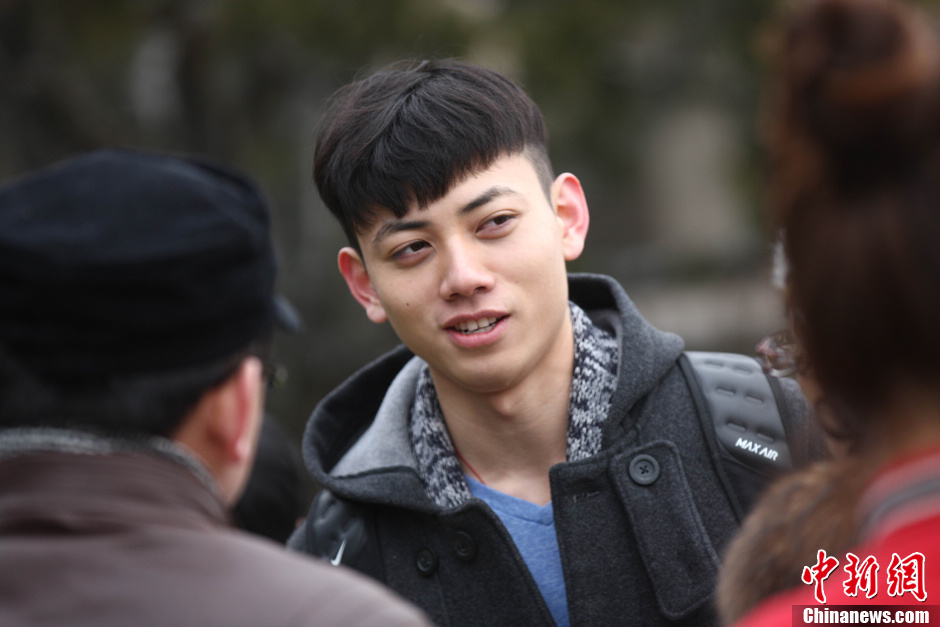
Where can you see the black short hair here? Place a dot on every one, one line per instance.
(408, 133)
(132, 405)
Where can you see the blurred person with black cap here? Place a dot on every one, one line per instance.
(137, 305)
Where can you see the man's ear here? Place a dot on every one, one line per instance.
(236, 406)
(248, 402)
(357, 278)
(572, 211)
(223, 428)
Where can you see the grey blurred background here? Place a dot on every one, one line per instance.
(651, 103)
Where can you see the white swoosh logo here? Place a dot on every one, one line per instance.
(339, 554)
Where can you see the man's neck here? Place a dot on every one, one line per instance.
(510, 439)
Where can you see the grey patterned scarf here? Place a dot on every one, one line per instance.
(596, 358)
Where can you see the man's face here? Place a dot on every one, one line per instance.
(475, 283)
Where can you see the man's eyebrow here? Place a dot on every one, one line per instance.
(397, 226)
(487, 196)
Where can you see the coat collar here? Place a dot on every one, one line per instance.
(72, 479)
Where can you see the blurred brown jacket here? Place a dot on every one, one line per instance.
(136, 539)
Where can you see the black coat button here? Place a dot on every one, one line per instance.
(644, 469)
(464, 546)
(426, 561)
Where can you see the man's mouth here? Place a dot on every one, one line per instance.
(469, 327)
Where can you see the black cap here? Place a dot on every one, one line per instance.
(125, 262)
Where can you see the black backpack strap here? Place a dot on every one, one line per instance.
(744, 420)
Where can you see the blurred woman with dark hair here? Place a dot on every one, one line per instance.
(855, 188)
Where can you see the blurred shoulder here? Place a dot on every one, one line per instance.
(277, 585)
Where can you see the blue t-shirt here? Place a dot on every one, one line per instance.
(532, 528)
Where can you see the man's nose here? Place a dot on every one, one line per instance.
(465, 272)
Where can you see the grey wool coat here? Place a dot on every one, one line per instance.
(640, 540)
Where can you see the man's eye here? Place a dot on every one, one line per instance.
(410, 249)
(497, 222)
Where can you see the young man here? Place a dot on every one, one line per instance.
(533, 454)
(136, 304)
